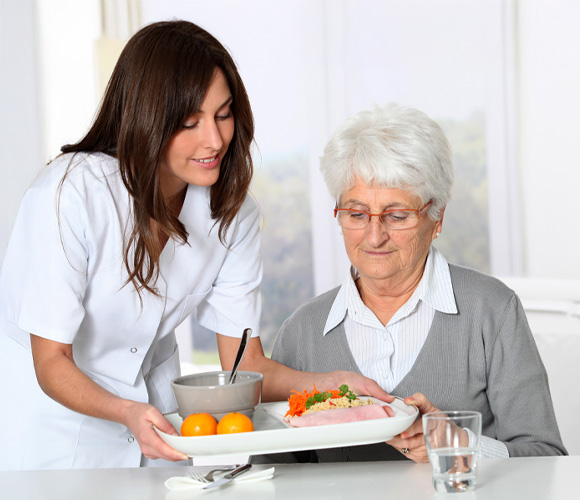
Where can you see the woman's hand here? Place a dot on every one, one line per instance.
(412, 439)
(61, 379)
(140, 419)
(361, 386)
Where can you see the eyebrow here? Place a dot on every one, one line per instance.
(390, 206)
(229, 100)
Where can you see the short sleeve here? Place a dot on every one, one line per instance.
(43, 277)
(234, 302)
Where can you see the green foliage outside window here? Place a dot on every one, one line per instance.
(465, 236)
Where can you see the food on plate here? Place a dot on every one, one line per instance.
(308, 402)
(199, 424)
(312, 408)
(203, 424)
(233, 423)
(339, 416)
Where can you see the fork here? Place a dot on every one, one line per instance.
(208, 478)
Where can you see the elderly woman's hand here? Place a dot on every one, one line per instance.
(412, 439)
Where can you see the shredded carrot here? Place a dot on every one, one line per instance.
(297, 401)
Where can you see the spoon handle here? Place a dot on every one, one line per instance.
(241, 351)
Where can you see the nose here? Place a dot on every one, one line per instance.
(212, 138)
(377, 234)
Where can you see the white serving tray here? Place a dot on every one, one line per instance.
(272, 435)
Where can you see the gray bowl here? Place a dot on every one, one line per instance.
(210, 393)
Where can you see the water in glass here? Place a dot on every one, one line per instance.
(453, 469)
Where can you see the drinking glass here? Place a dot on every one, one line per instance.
(452, 439)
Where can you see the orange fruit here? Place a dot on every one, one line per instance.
(234, 422)
(199, 424)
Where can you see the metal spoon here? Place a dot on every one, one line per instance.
(241, 351)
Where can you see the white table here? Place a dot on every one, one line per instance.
(541, 478)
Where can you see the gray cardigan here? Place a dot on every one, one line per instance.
(483, 358)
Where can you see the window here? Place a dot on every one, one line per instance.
(452, 60)
(308, 66)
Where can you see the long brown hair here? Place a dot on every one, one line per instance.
(160, 80)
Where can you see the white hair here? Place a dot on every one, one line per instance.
(392, 146)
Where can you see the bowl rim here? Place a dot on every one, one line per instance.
(259, 377)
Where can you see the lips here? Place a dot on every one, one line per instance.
(207, 160)
(375, 253)
(208, 163)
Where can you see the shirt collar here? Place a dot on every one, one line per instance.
(435, 289)
(439, 289)
(338, 310)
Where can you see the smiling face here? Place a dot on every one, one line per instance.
(195, 152)
(387, 259)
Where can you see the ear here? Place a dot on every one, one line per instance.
(439, 224)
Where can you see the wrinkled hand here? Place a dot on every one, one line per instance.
(362, 386)
(140, 419)
(413, 439)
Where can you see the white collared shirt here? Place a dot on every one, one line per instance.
(387, 353)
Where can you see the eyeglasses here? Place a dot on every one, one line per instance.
(397, 219)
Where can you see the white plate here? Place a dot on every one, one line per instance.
(272, 435)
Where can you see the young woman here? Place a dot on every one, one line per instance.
(142, 222)
(117, 241)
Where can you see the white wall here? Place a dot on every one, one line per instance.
(20, 133)
(48, 89)
(549, 134)
(67, 63)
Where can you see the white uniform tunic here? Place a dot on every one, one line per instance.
(63, 278)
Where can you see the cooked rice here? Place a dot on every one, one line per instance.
(342, 402)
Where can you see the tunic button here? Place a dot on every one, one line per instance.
(131, 439)
(133, 350)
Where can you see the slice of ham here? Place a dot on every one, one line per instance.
(339, 416)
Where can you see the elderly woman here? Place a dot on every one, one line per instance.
(451, 337)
